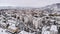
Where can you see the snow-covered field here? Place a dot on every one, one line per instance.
(3, 31)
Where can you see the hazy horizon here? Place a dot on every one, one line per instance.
(28, 3)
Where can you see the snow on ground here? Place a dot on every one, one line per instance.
(24, 32)
(2, 31)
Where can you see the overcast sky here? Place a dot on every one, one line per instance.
(28, 3)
